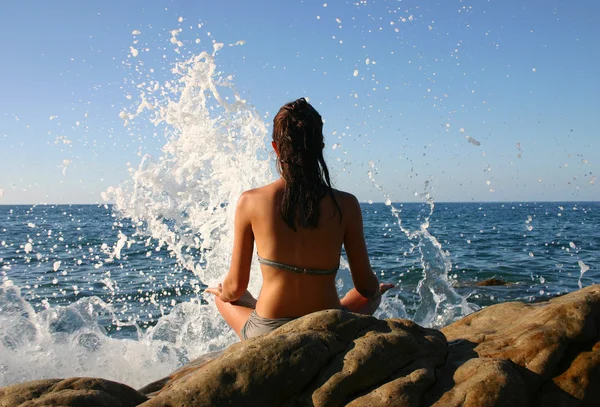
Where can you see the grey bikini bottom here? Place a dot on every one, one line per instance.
(257, 325)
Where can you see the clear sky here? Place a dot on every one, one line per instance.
(488, 100)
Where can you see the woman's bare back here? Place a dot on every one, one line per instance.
(285, 293)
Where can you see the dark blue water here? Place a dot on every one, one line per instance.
(143, 284)
(538, 248)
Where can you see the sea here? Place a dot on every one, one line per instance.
(84, 293)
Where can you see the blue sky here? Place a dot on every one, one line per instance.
(487, 100)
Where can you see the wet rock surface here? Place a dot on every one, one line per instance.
(511, 354)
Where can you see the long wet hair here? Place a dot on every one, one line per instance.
(298, 133)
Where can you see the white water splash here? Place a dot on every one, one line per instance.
(115, 251)
(185, 199)
(439, 303)
(583, 268)
(65, 166)
(69, 341)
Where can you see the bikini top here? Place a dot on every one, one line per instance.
(295, 269)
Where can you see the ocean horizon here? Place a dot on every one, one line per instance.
(360, 201)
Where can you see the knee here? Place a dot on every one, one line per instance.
(219, 303)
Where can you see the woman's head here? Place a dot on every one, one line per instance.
(298, 141)
(297, 135)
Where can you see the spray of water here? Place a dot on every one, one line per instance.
(185, 200)
(66, 341)
(439, 302)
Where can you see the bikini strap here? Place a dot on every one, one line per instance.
(295, 269)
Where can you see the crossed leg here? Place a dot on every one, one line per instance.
(237, 313)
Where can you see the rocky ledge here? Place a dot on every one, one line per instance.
(511, 354)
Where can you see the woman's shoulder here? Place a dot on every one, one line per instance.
(348, 204)
(261, 193)
(345, 198)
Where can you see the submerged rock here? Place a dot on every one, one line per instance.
(512, 354)
(491, 282)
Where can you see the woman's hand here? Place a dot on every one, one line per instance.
(383, 287)
(246, 300)
(215, 290)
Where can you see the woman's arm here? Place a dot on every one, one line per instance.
(365, 281)
(236, 282)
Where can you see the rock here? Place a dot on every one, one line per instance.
(552, 346)
(153, 388)
(78, 391)
(329, 358)
(491, 282)
(485, 382)
(580, 381)
(512, 354)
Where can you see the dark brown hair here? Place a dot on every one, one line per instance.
(298, 133)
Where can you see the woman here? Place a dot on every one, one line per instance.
(299, 224)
